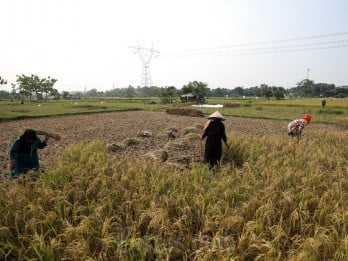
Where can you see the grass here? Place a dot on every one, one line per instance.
(250, 108)
(311, 102)
(329, 116)
(14, 110)
(273, 199)
(283, 109)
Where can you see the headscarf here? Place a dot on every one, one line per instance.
(28, 134)
(307, 118)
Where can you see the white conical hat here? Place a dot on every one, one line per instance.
(217, 115)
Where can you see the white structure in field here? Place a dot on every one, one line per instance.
(208, 105)
(145, 55)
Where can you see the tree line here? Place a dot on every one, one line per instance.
(41, 88)
(304, 89)
(27, 86)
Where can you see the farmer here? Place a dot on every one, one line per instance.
(23, 153)
(298, 124)
(323, 103)
(214, 130)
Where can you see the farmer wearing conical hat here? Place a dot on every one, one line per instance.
(23, 153)
(214, 130)
(299, 124)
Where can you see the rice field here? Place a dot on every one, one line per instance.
(106, 192)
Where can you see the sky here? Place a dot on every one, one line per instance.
(85, 44)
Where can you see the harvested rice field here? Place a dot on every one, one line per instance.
(157, 134)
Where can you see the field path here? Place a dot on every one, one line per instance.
(117, 126)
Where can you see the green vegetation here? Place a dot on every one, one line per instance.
(280, 112)
(282, 109)
(11, 110)
(273, 199)
(2, 81)
(29, 85)
(288, 102)
(199, 89)
(251, 108)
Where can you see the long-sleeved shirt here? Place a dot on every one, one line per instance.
(25, 160)
(300, 123)
(215, 132)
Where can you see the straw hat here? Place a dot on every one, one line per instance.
(307, 118)
(216, 115)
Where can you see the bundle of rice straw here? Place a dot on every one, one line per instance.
(42, 132)
(48, 134)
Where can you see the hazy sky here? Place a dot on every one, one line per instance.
(225, 43)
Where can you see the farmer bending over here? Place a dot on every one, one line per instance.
(298, 124)
(23, 153)
(214, 130)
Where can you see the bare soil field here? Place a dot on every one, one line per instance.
(171, 138)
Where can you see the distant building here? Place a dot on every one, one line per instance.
(188, 97)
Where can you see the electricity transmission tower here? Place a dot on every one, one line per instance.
(145, 55)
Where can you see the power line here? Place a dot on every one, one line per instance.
(282, 45)
(272, 41)
(276, 47)
(261, 51)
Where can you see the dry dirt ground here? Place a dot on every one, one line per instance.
(167, 137)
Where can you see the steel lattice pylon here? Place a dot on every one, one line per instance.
(145, 55)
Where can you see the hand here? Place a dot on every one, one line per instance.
(12, 165)
(46, 138)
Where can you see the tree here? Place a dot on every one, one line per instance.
(219, 92)
(308, 88)
(24, 87)
(130, 93)
(266, 91)
(47, 86)
(167, 94)
(33, 84)
(92, 93)
(238, 91)
(13, 92)
(199, 89)
(4, 94)
(54, 94)
(2, 81)
(278, 93)
(65, 95)
(305, 88)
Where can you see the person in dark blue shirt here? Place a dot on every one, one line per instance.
(23, 153)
